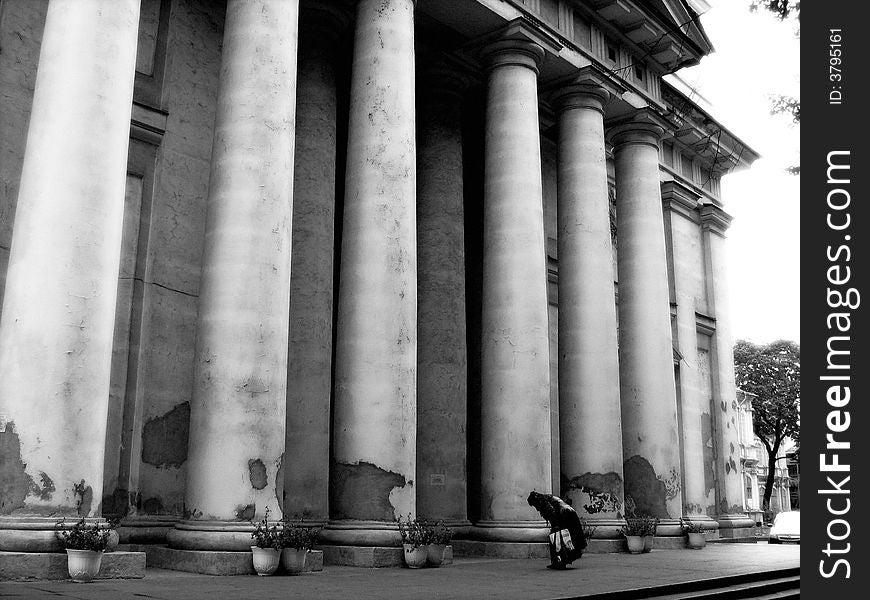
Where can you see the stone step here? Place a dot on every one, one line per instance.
(53, 565)
(209, 562)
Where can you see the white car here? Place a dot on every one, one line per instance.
(786, 528)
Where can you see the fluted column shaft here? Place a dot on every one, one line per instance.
(374, 421)
(649, 413)
(515, 406)
(237, 418)
(58, 312)
(309, 368)
(589, 410)
(714, 222)
(442, 357)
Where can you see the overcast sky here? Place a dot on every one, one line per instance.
(757, 55)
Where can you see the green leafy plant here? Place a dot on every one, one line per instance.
(299, 536)
(441, 534)
(83, 536)
(691, 527)
(633, 527)
(267, 535)
(415, 532)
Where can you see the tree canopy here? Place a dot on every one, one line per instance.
(772, 373)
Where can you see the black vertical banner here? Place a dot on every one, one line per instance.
(835, 224)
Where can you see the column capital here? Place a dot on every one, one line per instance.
(643, 126)
(518, 43)
(681, 199)
(715, 219)
(591, 87)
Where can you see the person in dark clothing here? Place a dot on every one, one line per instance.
(564, 548)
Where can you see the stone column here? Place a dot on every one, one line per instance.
(373, 474)
(680, 206)
(237, 415)
(651, 445)
(309, 368)
(59, 306)
(515, 378)
(442, 362)
(731, 516)
(589, 411)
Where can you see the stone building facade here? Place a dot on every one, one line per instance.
(353, 260)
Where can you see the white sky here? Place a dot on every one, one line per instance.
(757, 55)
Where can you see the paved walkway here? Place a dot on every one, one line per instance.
(478, 578)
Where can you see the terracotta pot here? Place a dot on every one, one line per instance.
(648, 543)
(293, 560)
(266, 560)
(435, 555)
(635, 543)
(696, 541)
(83, 565)
(415, 557)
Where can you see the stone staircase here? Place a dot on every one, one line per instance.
(765, 585)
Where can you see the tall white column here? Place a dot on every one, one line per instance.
(589, 411)
(714, 223)
(309, 367)
(237, 415)
(442, 357)
(651, 445)
(515, 379)
(373, 474)
(59, 306)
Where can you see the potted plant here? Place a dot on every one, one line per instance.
(634, 530)
(84, 544)
(649, 524)
(695, 534)
(441, 536)
(298, 540)
(416, 535)
(268, 541)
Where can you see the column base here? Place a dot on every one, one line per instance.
(733, 521)
(605, 529)
(707, 523)
(145, 529)
(510, 531)
(37, 534)
(348, 532)
(226, 536)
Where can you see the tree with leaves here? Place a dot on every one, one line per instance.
(772, 373)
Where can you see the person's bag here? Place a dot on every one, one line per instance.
(560, 539)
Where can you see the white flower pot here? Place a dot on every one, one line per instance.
(83, 565)
(635, 543)
(293, 560)
(696, 541)
(266, 560)
(415, 557)
(435, 555)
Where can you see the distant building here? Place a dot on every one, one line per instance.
(753, 459)
(441, 256)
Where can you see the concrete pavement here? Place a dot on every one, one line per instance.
(479, 578)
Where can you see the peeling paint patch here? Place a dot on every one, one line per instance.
(709, 460)
(84, 496)
(725, 509)
(14, 482)
(246, 513)
(362, 491)
(164, 438)
(118, 503)
(45, 488)
(279, 483)
(603, 489)
(644, 487)
(257, 474)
